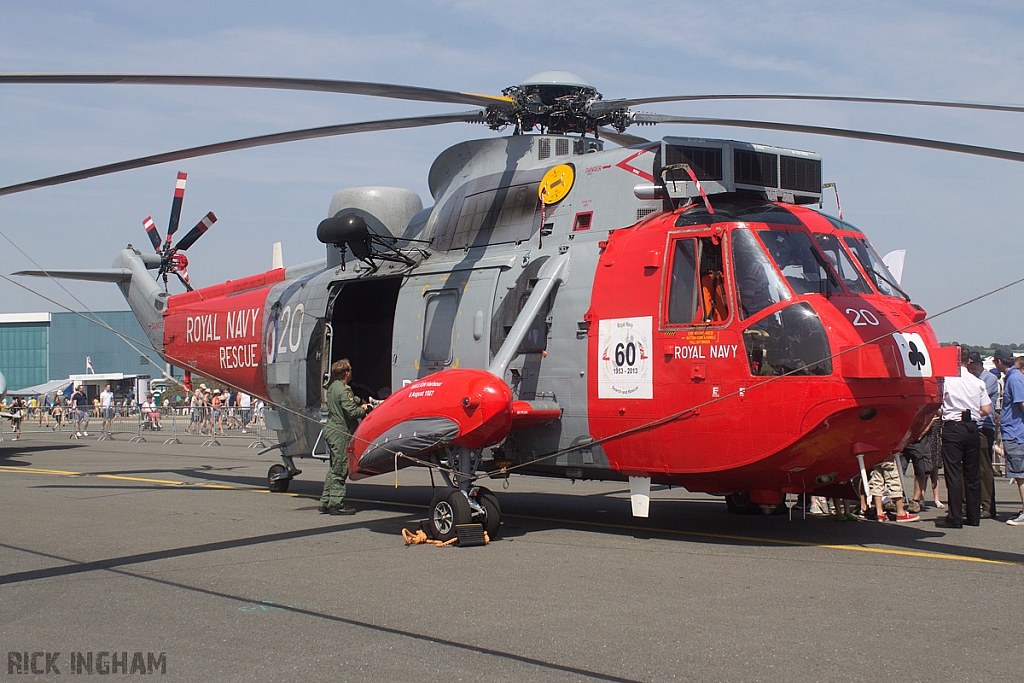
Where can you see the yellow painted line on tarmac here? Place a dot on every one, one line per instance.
(34, 470)
(780, 541)
(164, 482)
(168, 482)
(552, 520)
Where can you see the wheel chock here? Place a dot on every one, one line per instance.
(470, 535)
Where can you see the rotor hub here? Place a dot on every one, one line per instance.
(557, 102)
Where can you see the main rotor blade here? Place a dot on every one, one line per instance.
(621, 139)
(603, 106)
(152, 232)
(975, 150)
(179, 196)
(473, 116)
(195, 233)
(398, 92)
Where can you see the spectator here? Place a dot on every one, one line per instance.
(217, 404)
(79, 410)
(151, 411)
(107, 408)
(18, 411)
(1011, 423)
(57, 411)
(195, 409)
(987, 428)
(964, 401)
(925, 455)
(883, 476)
(245, 408)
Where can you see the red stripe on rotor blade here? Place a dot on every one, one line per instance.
(208, 220)
(179, 195)
(154, 234)
(195, 233)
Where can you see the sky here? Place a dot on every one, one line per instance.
(954, 214)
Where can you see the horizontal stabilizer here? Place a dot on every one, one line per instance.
(92, 274)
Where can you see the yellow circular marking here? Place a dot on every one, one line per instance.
(556, 183)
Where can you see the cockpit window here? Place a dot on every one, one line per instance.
(791, 341)
(758, 285)
(682, 297)
(757, 212)
(840, 224)
(874, 267)
(800, 263)
(843, 264)
(697, 290)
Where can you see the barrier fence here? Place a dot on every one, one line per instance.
(168, 425)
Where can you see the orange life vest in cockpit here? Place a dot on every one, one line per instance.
(712, 287)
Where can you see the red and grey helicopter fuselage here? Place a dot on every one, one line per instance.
(566, 310)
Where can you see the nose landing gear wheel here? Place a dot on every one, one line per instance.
(448, 508)
(276, 483)
(492, 511)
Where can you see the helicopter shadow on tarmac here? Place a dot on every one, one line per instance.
(607, 512)
(703, 521)
(9, 450)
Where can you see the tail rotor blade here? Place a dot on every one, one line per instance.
(184, 280)
(151, 230)
(195, 233)
(179, 196)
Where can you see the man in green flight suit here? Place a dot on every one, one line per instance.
(344, 411)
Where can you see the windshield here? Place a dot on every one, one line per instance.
(791, 341)
(757, 283)
(874, 267)
(798, 260)
(842, 264)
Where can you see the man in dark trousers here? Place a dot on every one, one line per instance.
(344, 412)
(80, 411)
(987, 429)
(964, 401)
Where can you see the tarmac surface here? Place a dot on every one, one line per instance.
(178, 553)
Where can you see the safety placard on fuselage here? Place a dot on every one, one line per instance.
(624, 358)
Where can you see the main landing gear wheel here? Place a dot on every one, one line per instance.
(277, 483)
(448, 508)
(492, 511)
(739, 503)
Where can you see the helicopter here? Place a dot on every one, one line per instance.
(667, 312)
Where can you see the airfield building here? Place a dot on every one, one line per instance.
(37, 347)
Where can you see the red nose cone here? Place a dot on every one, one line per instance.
(470, 408)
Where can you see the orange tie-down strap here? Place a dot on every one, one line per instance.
(421, 537)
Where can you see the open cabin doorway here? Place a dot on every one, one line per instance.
(362, 318)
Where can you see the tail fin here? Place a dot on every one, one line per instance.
(130, 273)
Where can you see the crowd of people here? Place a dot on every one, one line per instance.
(211, 412)
(977, 435)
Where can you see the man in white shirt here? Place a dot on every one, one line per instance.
(964, 402)
(245, 408)
(107, 408)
